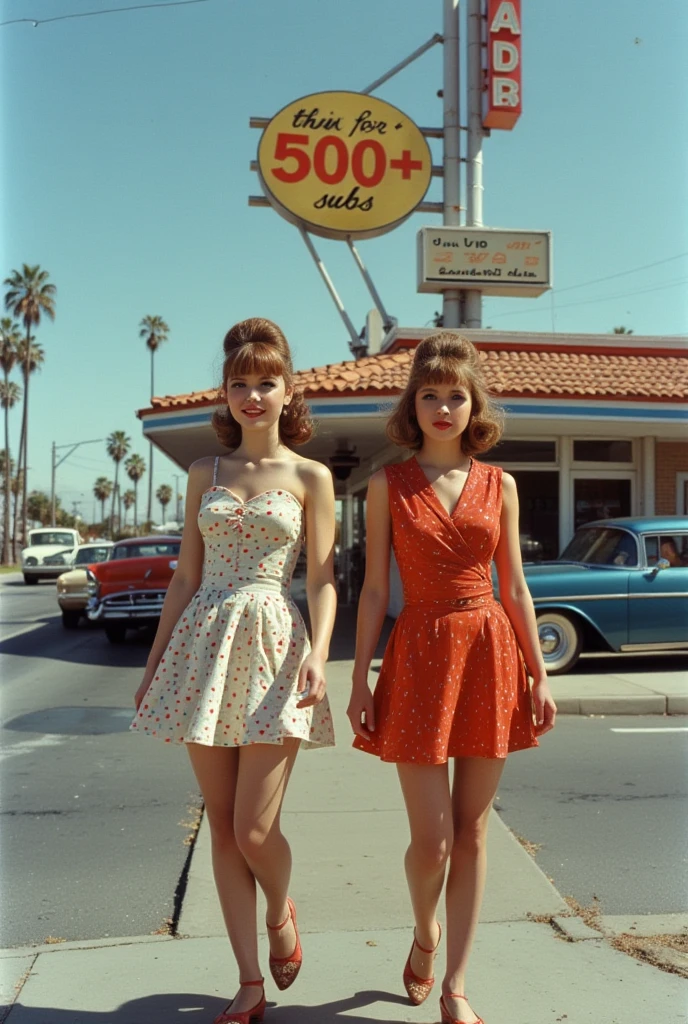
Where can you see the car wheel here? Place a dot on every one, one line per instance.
(560, 641)
(116, 634)
(70, 618)
(30, 581)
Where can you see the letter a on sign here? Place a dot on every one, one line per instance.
(503, 94)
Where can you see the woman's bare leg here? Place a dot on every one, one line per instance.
(264, 771)
(216, 770)
(428, 805)
(475, 784)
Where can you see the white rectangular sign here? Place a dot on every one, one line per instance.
(490, 260)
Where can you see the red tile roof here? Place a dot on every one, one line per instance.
(511, 372)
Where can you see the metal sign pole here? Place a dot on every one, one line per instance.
(474, 159)
(451, 299)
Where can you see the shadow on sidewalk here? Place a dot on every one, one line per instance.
(187, 1008)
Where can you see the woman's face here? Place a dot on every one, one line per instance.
(256, 402)
(443, 410)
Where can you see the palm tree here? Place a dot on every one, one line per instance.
(9, 340)
(29, 295)
(164, 496)
(135, 467)
(154, 330)
(5, 465)
(117, 445)
(128, 499)
(102, 490)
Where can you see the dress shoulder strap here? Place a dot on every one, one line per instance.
(217, 459)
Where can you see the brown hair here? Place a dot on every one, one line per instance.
(443, 358)
(259, 346)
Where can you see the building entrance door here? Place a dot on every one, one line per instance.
(538, 499)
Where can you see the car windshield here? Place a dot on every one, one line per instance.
(602, 545)
(86, 556)
(150, 550)
(53, 537)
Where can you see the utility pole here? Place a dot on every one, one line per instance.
(55, 463)
(451, 188)
(474, 157)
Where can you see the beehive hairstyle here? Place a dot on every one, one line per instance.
(259, 346)
(447, 358)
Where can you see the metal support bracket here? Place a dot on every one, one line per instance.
(353, 334)
(387, 320)
(437, 38)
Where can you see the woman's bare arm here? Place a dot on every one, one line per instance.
(373, 602)
(517, 603)
(187, 575)
(321, 591)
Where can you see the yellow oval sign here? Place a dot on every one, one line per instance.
(344, 165)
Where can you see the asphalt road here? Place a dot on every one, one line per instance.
(609, 810)
(92, 840)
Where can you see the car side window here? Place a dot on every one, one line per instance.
(672, 547)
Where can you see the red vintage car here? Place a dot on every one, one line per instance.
(127, 591)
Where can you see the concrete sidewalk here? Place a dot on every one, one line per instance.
(348, 830)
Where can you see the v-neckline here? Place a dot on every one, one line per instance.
(436, 499)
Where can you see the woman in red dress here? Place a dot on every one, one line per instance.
(454, 679)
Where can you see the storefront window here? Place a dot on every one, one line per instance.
(599, 498)
(603, 451)
(523, 451)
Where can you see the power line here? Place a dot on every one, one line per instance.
(622, 273)
(589, 302)
(92, 14)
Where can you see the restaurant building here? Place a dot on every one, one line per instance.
(595, 427)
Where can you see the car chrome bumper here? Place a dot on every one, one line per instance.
(73, 602)
(45, 570)
(132, 606)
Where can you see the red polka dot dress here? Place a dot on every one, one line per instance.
(228, 676)
(453, 682)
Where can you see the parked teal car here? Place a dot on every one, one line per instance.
(620, 585)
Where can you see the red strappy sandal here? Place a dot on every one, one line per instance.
(418, 989)
(284, 969)
(255, 1014)
(445, 1014)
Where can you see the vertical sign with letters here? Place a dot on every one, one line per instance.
(503, 94)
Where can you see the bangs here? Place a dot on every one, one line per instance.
(441, 370)
(258, 357)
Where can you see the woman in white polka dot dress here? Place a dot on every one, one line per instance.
(231, 673)
(453, 681)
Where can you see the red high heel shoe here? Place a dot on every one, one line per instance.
(418, 989)
(284, 969)
(445, 1014)
(230, 1016)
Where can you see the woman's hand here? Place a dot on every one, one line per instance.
(544, 708)
(142, 690)
(361, 710)
(312, 681)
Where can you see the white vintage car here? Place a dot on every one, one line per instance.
(51, 550)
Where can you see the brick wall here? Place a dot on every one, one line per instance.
(671, 457)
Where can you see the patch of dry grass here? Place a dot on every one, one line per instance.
(591, 915)
(667, 952)
(531, 848)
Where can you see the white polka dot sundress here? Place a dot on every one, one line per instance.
(228, 676)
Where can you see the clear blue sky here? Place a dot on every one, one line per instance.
(125, 173)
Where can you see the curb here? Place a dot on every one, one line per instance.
(641, 704)
(15, 952)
